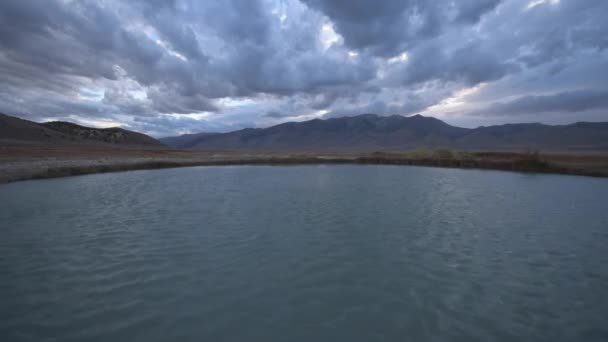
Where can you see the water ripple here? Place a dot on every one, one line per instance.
(323, 253)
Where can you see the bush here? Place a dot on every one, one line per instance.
(466, 156)
(531, 159)
(420, 153)
(444, 153)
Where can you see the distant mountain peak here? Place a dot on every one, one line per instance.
(365, 115)
(396, 132)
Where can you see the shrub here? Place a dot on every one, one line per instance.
(420, 153)
(531, 159)
(444, 153)
(466, 156)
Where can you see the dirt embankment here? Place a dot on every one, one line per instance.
(33, 162)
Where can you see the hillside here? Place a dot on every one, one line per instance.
(114, 135)
(372, 132)
(185, 140)
(15, 130)
(12, 128)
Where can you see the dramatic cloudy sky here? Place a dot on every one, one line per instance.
(176, 66)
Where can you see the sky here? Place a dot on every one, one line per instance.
(168, 67)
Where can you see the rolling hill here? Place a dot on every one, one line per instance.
(20, 131)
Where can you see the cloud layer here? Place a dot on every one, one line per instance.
(177, 66)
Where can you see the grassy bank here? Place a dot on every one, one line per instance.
(519, 162)
(30, 163)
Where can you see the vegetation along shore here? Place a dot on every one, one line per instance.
(22, 163)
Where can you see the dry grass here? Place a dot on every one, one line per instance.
(29, 162)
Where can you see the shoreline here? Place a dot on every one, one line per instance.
(27, 167)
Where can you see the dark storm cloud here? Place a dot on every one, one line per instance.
(146, 61)
(568, 101)
(388, 27)
(167, 100)
(87, 39)
(470, 11)
(52, 40)
(275, 115)
(470, 64)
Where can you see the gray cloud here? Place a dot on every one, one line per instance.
(388, 27)
(568, 101)
(470, 64)
(258, 62)
(275, 115)
(470, 11)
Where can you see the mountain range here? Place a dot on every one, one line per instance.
(367, 132)
(373, 132)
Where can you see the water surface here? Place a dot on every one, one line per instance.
(305, 253)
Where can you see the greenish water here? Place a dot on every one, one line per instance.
(305, 253)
